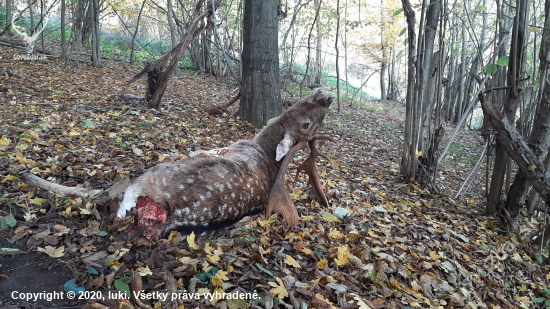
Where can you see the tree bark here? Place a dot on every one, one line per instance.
(260, 89)
(318, 63)
(96, 36)
(63, 32)
(383, 49)
(408, 159)
(9, 12)
(539, 138)
(515, 70)
(337, 54)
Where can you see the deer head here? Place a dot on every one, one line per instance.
(203, 194)
(29, 40)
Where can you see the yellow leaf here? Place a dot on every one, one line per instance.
(28, 216)
(229, 268)
(334, 164)
(264, 223)
(4, 141)
(341, 260)
(291, 261)
(219, 278)
(53, 252)
(73, 133)
(418, 154)
(162, 157)
(322, 264)
(344, 250)
(335, 234)
(172, 235)
(191, 241)
(217, 295)
(532, 168)
(144, 271)
(279, 290)
(38, 201)
(434, 255)
(394, 283)
(208, 249)
(213, 258)
(10, 177)
(522, 288)
(306, 251)
(188, 261)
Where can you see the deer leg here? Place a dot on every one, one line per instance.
(279, 201)
(311, 169)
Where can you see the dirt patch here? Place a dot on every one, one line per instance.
(33, 273)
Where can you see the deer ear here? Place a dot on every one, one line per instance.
(284, 146)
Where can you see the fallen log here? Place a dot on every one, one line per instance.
(535, 171)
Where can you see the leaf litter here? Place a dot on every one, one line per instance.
(384, 242)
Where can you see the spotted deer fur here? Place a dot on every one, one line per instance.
(203, 194)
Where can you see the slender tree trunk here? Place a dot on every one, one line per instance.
(63, 39)
(383, 49)
(408, 159)
(135, 33)
(260, 89)
(171, 24)
(96, 38)
(538, 140)
(31, 12)
(318, 63)
(461, 92)
(432, 20)
(9, 12)
(515, 70)
(337, 54)
(309, 48)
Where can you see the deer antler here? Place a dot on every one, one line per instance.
(279, 201)
(311, 170)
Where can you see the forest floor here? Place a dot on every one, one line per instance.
(400, 246)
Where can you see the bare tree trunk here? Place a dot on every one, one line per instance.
(461, 92)
(173, 31)
(63, 32)
(408, 159)
(9, 12)
(135, 33)
(337, 54)
(31, 12)
(383, 49)
(515, 70)
(538, 140)
(309, 47)
(260, 89)
(96, 37)
(318, 63)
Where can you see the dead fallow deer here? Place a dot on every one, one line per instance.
(209, 193)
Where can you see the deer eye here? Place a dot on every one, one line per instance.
(305, 126)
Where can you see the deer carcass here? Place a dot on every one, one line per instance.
(208, 193)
